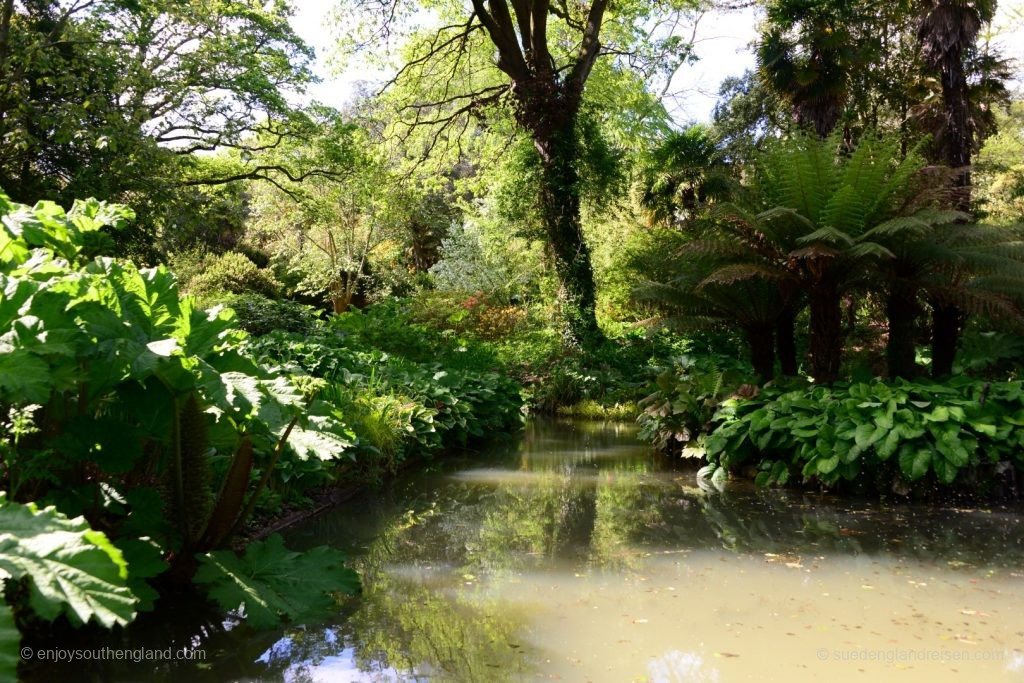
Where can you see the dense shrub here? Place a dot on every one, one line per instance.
(259, 315)
(230, 273)
(477, 315)
(686, 396)
(405, 389)
(897, 435)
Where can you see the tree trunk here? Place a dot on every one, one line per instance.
(901, 309)
(785, 340)
(560, 205)
(762, 352)
(946, 325)
(958, 132)
(340, 303)
(6, 14)
(826, 332)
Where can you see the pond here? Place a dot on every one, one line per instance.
(575, 554)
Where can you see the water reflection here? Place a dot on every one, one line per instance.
(579, 518)
(576, 554)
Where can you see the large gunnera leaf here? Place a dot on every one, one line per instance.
(270, 582)
(71, 568)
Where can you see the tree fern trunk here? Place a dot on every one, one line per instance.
(785, 340)
(901, 309)
(762, 352)
(946, 325)
(826, 332)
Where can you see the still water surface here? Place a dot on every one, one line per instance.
(573, 555)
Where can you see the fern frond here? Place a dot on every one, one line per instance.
(829, 235)
(741, 271)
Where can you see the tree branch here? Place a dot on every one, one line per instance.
(589, 49)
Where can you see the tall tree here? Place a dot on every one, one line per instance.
(112, 98)
(807, 53)
(948, 31)
(544, 52)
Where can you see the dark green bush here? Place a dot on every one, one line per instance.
(686, 396)
(898, 434)
(259, 315)
(127, 409)
(403, 388)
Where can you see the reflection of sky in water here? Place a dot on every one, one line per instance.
(680, 667)
(338, 668)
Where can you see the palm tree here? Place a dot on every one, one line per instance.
(974, 269)
(947, 33)
(683, 175)
(806, 54)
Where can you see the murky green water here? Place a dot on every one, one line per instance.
(574, 556)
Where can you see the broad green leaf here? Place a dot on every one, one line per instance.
(889, 444)
(319, 443)
(826, 465)
(986, 428)
(24, 377)
(914, 460)
(72, 569)
(868, 434)
(144, 558)
(270, 583)
(945, 470)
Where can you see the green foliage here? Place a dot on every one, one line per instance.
(683, 174)
(999, 168)
(894, 435)
(686, 397)
(69, 569)
(476, 316)
(259, 315)
(806, 54)
(991, 354)
(479, 256)
(124, 403)
(230, 273)
(403, 388)
(110, 98)
(269, 582)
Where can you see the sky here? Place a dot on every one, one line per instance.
(723, 45)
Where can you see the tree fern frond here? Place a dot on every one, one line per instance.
(829, 235)
(814, 251)
(869, 250)
(741, 271)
